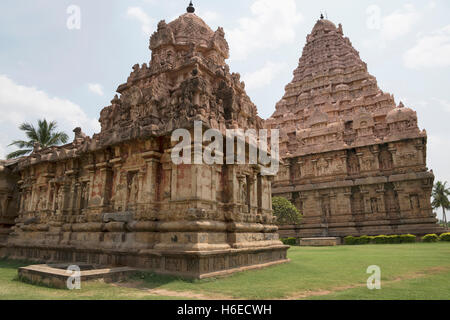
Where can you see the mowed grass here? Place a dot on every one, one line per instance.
(13, 289)
(408, 271)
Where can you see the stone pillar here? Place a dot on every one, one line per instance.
(149, 192)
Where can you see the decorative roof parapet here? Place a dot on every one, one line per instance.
(186, 80)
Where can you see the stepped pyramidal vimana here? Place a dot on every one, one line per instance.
(352, 161)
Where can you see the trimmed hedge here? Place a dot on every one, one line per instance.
(357, 240)
(408, 238)
(430, 238)
(445, 236)
(289, 241)
(381, 239)
(349, 240)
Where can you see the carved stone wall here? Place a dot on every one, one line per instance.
(355, 159)
(8, 199)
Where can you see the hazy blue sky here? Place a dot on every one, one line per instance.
(69, 75)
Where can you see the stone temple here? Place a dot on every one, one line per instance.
(354, 162)
(118, 199)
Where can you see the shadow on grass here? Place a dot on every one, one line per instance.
(148, 280)
(6, 263)
(151, 280)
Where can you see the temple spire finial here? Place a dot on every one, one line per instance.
(191, 8)
(321, 16)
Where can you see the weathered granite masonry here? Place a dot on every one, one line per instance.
(118, 199)
(8, 199)
(354, 162)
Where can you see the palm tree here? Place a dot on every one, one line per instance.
(45, 135)
(440, 198)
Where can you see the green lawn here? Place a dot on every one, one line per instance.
(13, 289)
(408, 271)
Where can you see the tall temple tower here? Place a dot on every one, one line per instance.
(118, 198)
(354, 162)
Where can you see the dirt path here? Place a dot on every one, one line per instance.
(298, 295)
(170, 293)
(414, 275)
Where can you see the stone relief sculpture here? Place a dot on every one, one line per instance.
(374, 205)
(385, 159)
(352, 163)
(391, 200)
(132, 187)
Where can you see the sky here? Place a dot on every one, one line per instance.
(63, 60)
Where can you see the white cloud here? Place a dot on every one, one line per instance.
(96, 88)
(272, 23)
(438, 153)
(391, 27)
(209, 17)
(432, 5)
(138, 14)
(264, 76)
(432, 50)
(400, 22)
(20, 104)
(444, 103)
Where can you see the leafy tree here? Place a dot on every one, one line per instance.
(45, 134)
(440, 195)
(285, 211)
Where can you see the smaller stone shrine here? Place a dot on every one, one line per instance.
(118, 199)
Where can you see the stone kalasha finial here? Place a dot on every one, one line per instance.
(79, 134)
(191, 8)
(321, 16)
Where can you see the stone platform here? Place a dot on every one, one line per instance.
(56, 275)
(191, 265)
(320, 242)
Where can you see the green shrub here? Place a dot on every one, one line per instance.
(430, 238)
(349, 240)
(364, 240)
(289, 241)
(408, 238)
(395, 239)
(445, 236)
(380, 239)
(383, 239)
(285, 211)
